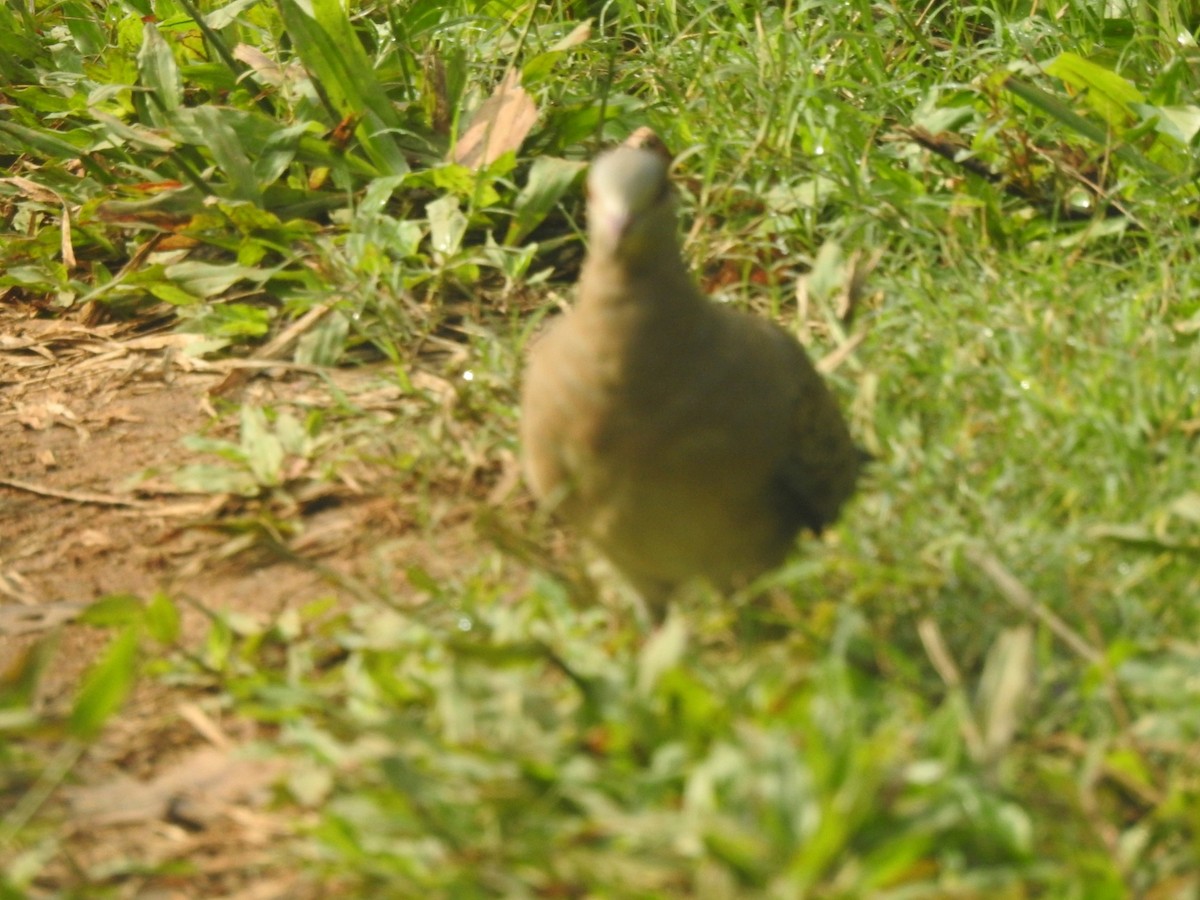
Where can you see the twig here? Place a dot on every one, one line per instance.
(75, 496)
(943, 662)
(1019, 596)
(830, 361)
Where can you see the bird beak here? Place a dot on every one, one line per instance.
(617, 223)
(610, 225)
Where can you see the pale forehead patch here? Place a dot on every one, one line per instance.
(628, 177)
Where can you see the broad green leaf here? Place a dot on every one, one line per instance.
(114, 609)
(263, 449)
(218, 644)
(463, 182)
(1181, 122)
(549, 179)
(378, 193)
(85, 29)
(171, 200)
(38, 100)
(447, 225)
(138, 135)
(248, 218)
(162, 619)
(1094, 132)
(292, 436)
(158, 70)
(226, 15)
(324, 344)
(206, 478)
(172, 293)
(106, 685)
(17, 46)
(19, 139)
(332, 52)
(213, 79)
(216, 446)
(277, 152)
(222, 141)
(210, 280)
(1106, 92)
(234, 320)
(514, 262)
(540, 66)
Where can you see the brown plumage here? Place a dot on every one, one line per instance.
(682, 437)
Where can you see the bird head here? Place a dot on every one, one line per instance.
(630, 203)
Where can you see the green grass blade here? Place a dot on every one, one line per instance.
(328, 46)
(106, 686)
(1099, 135)
(227, 150)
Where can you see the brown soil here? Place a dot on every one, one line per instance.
(91, 422)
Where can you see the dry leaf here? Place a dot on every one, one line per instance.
(16, 619)
(42, 416)
(68, 246)
(95, 538)
(41, 194)
(499, 125)
(438, 97)
(579, 34)
(201, 787)
(264, 67)
(33, 190)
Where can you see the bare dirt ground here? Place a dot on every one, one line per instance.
(91, 422)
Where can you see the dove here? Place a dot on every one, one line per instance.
(685, 439)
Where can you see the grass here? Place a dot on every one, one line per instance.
(904, 721)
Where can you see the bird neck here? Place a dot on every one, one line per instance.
(641, 285)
